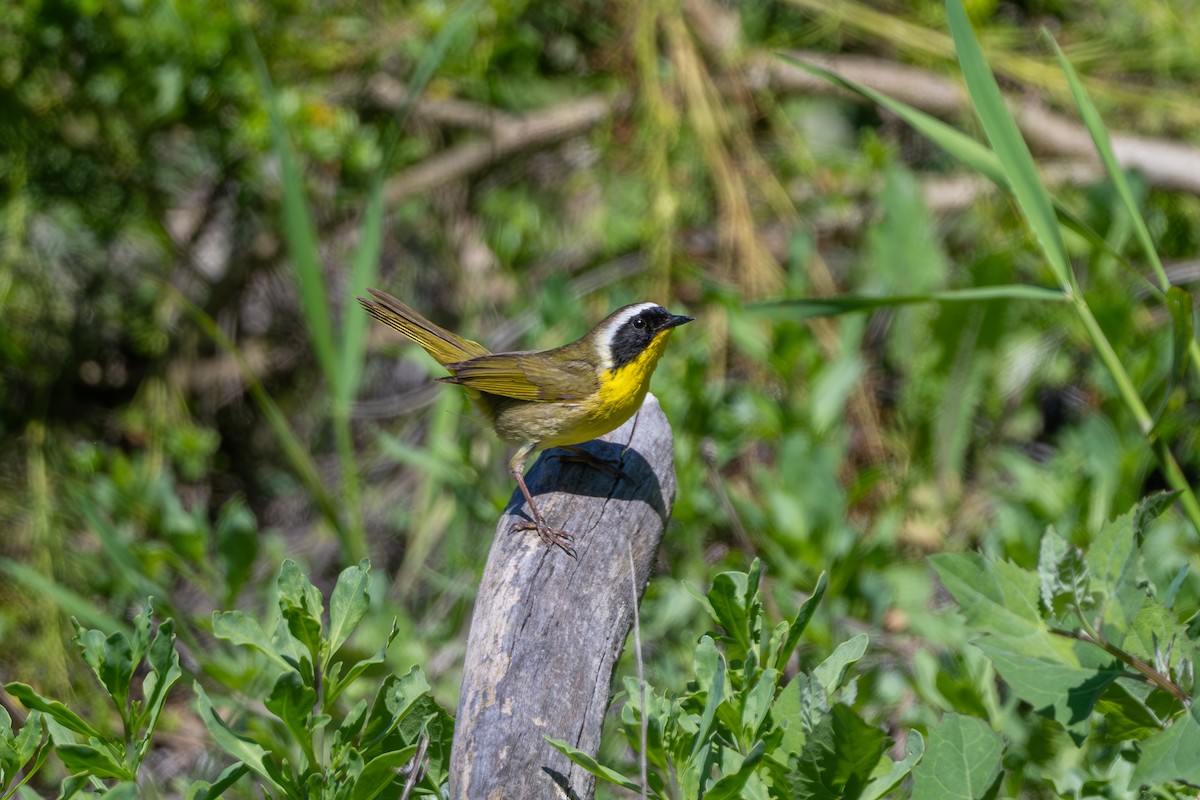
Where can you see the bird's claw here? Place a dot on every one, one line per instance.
(551, 536)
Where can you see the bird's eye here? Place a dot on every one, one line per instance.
(639, 323)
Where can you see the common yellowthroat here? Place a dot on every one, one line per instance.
(537, 399)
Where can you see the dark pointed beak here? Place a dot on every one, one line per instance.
(676, 320)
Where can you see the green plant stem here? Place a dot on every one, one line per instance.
(1093, 636)
(1133, 401)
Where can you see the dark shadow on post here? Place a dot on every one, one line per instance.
(548, 629)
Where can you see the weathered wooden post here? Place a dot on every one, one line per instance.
(548, 629)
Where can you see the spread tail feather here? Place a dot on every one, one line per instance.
(446, 347)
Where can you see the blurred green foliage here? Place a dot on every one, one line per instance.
(151, 297)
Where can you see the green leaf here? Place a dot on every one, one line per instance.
(1010, 148)
(803, 616)
(726, 598)
(379, 772)
(111, 659)
(202, 790)
(1063, 574)
(809, 307)
(838, 758)
(245, 750)
(24, 753)
(301, 605)
(348, 604)
(593, 766)
(237, 545)
(962, 760)
(1095, 126)
(1057, 676)
(1179, 304)
(881, 784)
(52, 708)
(243, 630)
(163, 660)
(756, 702)
(395, 699)
(1173, 754)
(729, 787)
(832, 671)
(292, 701)
(1126, 715)
(994, 595)
(93, 759)
(709, 668)
(798, 710)
(338, 684)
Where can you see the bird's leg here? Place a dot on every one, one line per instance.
(580, 456)
(551, 536)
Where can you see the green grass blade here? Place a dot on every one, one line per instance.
(974, 155)
(294, 451)
(1006, 140)
(971, 153)
(809, 307)
(1095, 126)
(71, 603)
(1179, 303)
(298, 227)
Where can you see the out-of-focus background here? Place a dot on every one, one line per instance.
(183, 403)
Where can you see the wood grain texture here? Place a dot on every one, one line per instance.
(547, 629)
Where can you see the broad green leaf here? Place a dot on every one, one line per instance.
(52, 708)
(882, 783)
(241, 629)
(593, 766)
(292, 701)
(378, 773)
(756, 702)
(1062, 573)
(347, 605)
(202, 790)
(1126, 715)
(994, 595)
(338, 684)
(163, 660)
(395, 699)
(838, 758)
(961, 762)
(237, 545)
(727, 600)
(1057, 676)
(709, 669)
(24, 753)
(245, 750)
(94, 759)
(1008, 144)
(301, 605)
(798, 709)
(1173, 754)
(803, 616)
(111, 659)
(730, 787)
(832, 671)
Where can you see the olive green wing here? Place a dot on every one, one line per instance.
(541, 376)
